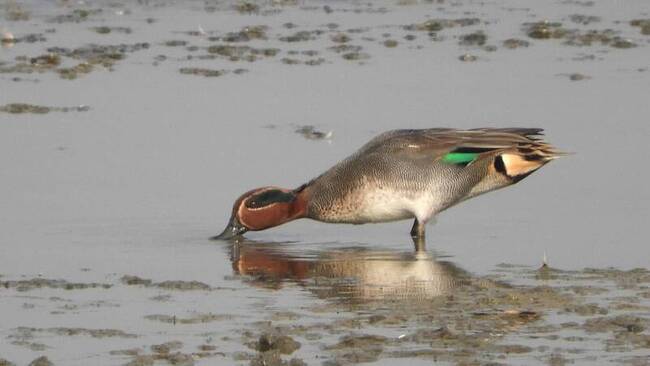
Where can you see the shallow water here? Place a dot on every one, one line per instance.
(135, 164)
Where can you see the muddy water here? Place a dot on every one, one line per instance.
(127, 130)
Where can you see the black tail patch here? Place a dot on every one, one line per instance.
(472, 150)
(499, 166)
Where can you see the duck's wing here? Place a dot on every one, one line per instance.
(459, 146)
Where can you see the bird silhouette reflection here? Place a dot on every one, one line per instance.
(353, 272)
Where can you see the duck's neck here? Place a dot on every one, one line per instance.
(298, 209)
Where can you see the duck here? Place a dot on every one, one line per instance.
(399, 175)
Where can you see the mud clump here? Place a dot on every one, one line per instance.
(14, 12)
(290, 61)
(468, 58)
(340, 38)
(41, 361)
(76, 16)
(311, 133)
(201, 72)
(135, 280)
(628, 323)
(643, 24)
(618, 42)
(355, 56)
(270, 347)
(269, 342)
(183, 285)
(108, 30)
(575, 37)
(586, 309)
(64, 331)
(390, 43)
(71, 73)
(435, 25)
(34, 346)
(195, 319)
(238, 53)
(247, 34)
(359, 348)
(46, 61)
(513, 43)
(166, 347)
(175, 43)
(578, 77)
(19, 108)
(545, 30)
(584, 19)
(166, 285)
(473, 39)
(177, 358)
(26, 285)
(105, 55)
(247, 7)
(344, 48)
(301, 36)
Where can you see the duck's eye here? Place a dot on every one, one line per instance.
(269, 197)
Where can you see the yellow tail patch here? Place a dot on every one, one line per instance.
(516, 164)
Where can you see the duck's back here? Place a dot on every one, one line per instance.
(417, 173)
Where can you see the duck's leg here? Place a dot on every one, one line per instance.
(417, 234)
(419, 244)
(417, 231)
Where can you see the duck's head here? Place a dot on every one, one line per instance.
(263, 208)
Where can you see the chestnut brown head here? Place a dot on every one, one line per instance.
(261, 209)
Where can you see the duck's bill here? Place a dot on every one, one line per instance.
(234, 230)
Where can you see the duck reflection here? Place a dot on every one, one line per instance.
(355, 273)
